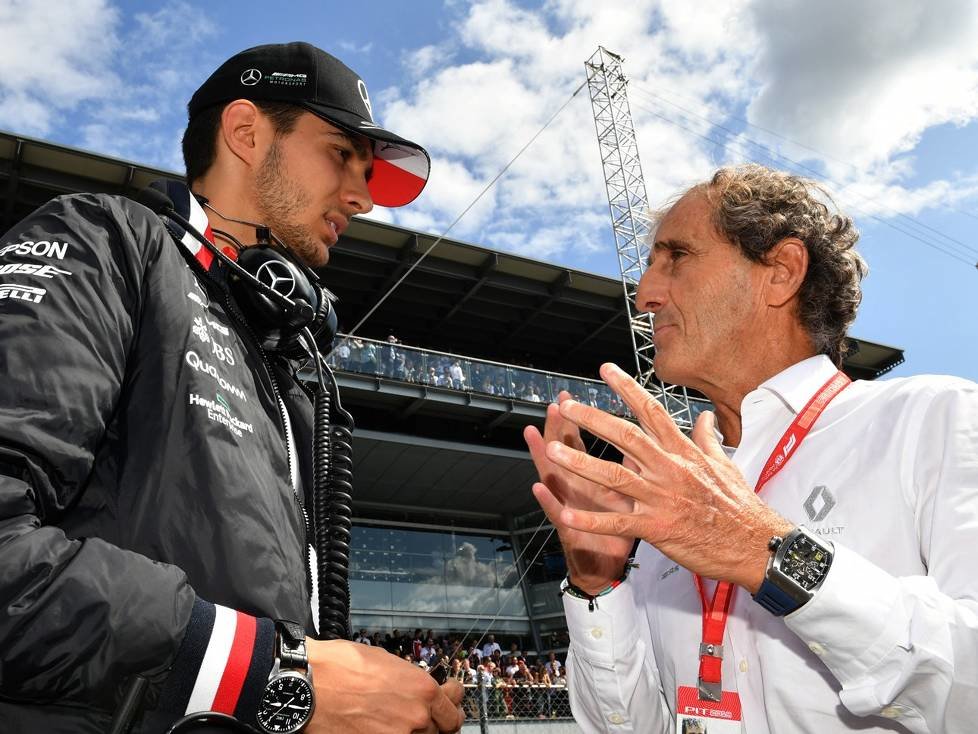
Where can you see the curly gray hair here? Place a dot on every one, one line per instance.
(755, 207)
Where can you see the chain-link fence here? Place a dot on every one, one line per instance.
(498, 706)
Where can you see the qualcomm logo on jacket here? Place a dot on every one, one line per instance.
(193, 359)
(220, 412)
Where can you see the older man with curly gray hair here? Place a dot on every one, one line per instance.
(802, 562)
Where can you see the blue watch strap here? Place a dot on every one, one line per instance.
(775, 600)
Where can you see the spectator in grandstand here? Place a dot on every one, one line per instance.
(512, 666)
(553, 665)
(457, 375)
(388, 355)
(456, 671)
(866, 617)
(342, 354)
(400, 366)
(368, 359)
(490, 647)
(356, 352)
(417, 642)
(362, 637)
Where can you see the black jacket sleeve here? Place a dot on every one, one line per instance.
(77, 616)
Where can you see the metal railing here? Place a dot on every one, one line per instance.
(397, 361)
(496, 699)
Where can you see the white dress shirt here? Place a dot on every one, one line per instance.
(889, 473)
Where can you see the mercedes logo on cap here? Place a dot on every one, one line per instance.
(277, 276)
(362, 88)
(251, 77)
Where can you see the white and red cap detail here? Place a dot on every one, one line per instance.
(399, 174)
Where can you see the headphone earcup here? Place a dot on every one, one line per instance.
(277, 325)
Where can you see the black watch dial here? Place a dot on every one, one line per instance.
(286, 704)
(805, 562)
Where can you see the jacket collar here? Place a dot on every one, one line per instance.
(186, 205)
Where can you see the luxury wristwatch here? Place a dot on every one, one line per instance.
(797, 568)
(288, 700)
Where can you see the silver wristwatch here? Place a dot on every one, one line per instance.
(289, 699)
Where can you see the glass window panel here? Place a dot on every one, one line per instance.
(544, 598)
(480, 546)
(370, 580)
(418, 583)
(371, 538)
(511, 598)
(372, 622)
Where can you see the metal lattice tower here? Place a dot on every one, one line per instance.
(629, 215)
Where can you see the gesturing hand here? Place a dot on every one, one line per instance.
(688, 499)
(594, 561)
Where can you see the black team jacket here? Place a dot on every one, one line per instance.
(148, 521)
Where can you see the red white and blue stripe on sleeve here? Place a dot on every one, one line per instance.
(222, 664)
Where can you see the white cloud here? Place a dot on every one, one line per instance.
(86, 74)
(860, 81)
(355, 48)
(55, 56)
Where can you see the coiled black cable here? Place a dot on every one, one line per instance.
(332, 505)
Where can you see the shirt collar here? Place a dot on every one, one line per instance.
(796, 385)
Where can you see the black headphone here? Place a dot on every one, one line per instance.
(279, 296)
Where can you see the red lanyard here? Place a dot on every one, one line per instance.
(715, 613)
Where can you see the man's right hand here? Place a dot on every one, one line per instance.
(593, 561)
(365, 690)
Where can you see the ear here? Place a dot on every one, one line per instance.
(243, 132)
(788, 263)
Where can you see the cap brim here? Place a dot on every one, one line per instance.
(401, 167)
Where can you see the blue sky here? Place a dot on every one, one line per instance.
(878, 98)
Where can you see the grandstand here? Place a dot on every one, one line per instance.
(446, 532)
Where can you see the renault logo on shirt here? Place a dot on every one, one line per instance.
(819, 503)
(277, 276)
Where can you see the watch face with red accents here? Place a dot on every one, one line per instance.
(287, 703)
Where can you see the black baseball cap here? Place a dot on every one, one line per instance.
(309, 77)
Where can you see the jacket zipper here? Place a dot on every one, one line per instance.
(286, 428)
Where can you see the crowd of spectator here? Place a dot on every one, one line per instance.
(513, 684)
(394, 360)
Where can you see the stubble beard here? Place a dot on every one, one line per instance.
(281, 203)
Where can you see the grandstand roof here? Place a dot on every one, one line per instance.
(463, 298)
(418, 441)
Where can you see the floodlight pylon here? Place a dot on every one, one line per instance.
(629, 205)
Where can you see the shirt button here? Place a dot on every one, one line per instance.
(597, 633)
(743, 666)
(892, 712)
(816, 648)
(616, 719)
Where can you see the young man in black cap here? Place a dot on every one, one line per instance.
(155, 474)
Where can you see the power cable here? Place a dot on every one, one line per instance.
(464, 212)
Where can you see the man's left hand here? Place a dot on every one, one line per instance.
(691, 501)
